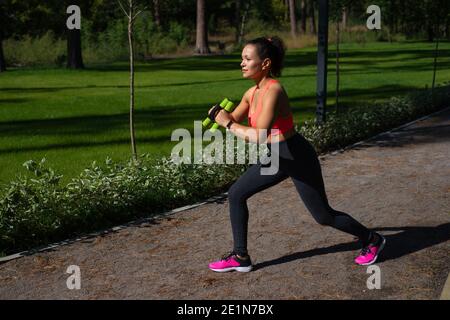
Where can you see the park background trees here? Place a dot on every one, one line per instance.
(194, 26)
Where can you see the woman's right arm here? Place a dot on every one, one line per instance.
(241, 111)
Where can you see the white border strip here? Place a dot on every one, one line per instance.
(168, 213)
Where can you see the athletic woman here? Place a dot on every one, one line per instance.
(267, 107)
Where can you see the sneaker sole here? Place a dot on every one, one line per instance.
(239, 269)
(378, 253)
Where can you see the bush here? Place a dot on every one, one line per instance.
(112, 44)
(108, 46)
(37, 210)
(28, 51)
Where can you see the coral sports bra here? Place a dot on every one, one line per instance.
(281, 125)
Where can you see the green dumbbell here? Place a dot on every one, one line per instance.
(227, 105)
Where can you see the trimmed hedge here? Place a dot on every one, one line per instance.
(359, 123)
(36, 209)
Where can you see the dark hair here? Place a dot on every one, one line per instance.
(272, 48)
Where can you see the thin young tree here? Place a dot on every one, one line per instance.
(438, 30)
(338, 17)
(337, 63)
(436, 51)
(132, 13)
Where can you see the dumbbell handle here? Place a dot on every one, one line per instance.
(208, 120)
(228, 108)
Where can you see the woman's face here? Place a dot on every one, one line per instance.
(252, 66)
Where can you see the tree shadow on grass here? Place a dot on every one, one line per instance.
(97, 87)
(13, 100)
(408, 240)
(153, 125)
(90, 130)
(293, 59)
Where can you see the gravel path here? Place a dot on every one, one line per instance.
(398, 184)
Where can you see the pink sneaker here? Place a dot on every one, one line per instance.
(369, 254)
(230, 262)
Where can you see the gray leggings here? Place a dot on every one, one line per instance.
(298, 160)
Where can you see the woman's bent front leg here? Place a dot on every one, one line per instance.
(251, 182)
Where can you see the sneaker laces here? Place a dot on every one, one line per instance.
(365, 251)
(228, 255)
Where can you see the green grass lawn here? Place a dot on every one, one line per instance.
(74, 117)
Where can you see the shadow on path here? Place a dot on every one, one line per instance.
(404, 137)
(410, 240)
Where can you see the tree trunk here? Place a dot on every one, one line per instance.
(2, 57)
(201, 43)
(395, 20)
(131, 46)
(304, 11)
(237, 19)
(74, 57)
(447, 27)
(244, 18)
(286, 11)
(399, 18)
(430, 33)
(293, 19)
(156, 14)
(312, 18)
(391, 15)
(344, 18)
